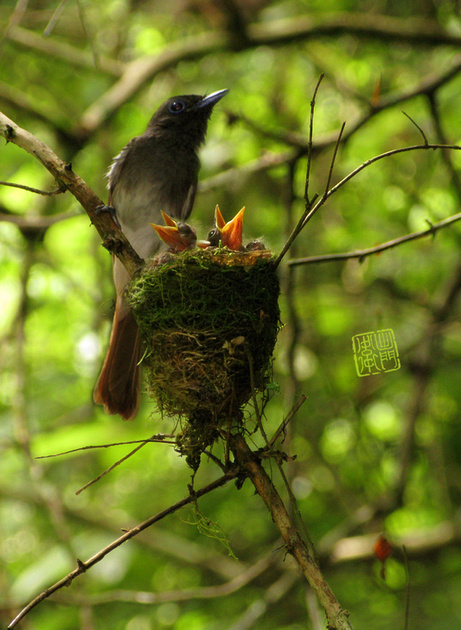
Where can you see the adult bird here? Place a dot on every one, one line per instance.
(156, 171)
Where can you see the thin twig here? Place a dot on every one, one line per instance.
(54, 18)
(307, 216)
(308, 203)
(417, 127)
(84, 566)
(381, 156)
(111, 468)
(310, 141)
(294, 410)
(216, 460)
(177, 595)
(160, 437)
(253, 393)
(310, 209)
(363, 253)
(332, 165)
(47, 193)
(297, 511)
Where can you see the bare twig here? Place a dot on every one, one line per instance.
(160, 437)
(308, 215)
(47, 193)
(307, 202)
(294, 410)
(363, 253)
(55, 18)
(310, 206)
(84, 566)
(330, 170)
(381, 156)
(417, 127)
(179, 595)
(117, 463)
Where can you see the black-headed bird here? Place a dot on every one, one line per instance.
(157, 170)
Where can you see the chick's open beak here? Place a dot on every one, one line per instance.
(177, 235)
(230, 233)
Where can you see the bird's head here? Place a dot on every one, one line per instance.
(186, 115)
(178, 235)
(230, 233)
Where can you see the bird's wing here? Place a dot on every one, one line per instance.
(189, 201)
(115, 169)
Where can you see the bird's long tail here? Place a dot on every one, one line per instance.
(118, 386)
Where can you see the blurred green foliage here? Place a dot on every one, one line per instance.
(378, 453)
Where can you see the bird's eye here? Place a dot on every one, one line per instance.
(176, 107)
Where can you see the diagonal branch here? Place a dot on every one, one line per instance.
(306, 216)
(60, 50)
(249, 463)
(274, 33)
(84, 566)
(113, 238)
(363, 253)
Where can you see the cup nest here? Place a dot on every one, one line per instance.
(210, 319)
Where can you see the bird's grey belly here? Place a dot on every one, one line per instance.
(135, 212)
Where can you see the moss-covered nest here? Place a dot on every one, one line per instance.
(207, 316)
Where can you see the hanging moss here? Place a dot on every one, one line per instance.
(207, 315)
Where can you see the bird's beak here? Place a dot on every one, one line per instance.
(168, 220)
(218, 218)
(170, 234)
(212, 99)
(231, 232)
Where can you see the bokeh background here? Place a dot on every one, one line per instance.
(374, 454)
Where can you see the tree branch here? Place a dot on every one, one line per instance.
(250, 463)
(143, 70)
(178, 595)
(307, 216)
(113, 238)
(62, 51)
(363, 253)
(84, 566)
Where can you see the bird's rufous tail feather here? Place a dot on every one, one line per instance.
(118, 386)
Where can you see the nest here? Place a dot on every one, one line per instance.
(210, 319)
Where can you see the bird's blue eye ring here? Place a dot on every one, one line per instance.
(175, 107)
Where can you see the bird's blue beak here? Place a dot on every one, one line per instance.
(212, 99)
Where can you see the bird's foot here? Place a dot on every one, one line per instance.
(110, 210)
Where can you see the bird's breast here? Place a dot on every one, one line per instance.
(144, 187)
